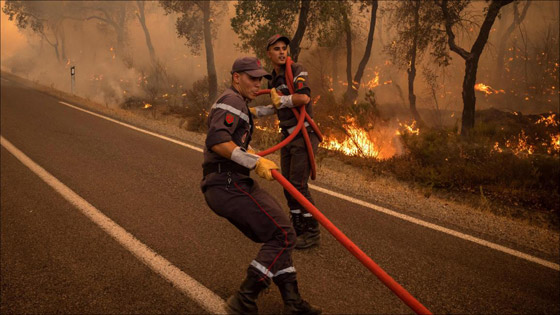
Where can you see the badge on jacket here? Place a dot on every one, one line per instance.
(229, 120)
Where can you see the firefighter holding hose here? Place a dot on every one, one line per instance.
(294, 159)
(231, 193)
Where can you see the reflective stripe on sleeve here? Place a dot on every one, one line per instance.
(301, 74)
(232, 110)
(291, 129)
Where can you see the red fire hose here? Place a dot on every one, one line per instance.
(401, 292)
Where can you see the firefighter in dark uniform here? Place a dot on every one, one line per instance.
(294, 159)
(232, 194)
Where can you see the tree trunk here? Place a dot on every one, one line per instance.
(469, 98)
(412, 69)
(210, 65)
(348, 31)
(53, 45)
(411, 96)
(471, 59)
(302, 25)
(142, 19)
(352, 91)
(120, 28)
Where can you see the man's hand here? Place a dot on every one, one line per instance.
(253, 111)
(284, 101)
(275, 98)
(264, 168)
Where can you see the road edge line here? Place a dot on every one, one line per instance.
(186, 284)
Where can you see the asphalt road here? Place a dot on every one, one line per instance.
(55, 259)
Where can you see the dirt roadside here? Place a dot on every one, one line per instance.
(343, 178)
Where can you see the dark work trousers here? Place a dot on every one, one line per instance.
(257, 215)
(294, 161)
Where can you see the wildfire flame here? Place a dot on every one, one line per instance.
(520, 146)
(488, 90)
(357, 142)
(554, 143)
(497, 148)
(273, 129)
(147, 105)
(373, 82)
(378, 143)
(412, 128)
(548, 121)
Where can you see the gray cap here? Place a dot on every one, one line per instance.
(274, 38)
(251, 65)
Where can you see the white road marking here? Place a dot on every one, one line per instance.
(196, 291)
(133, 127)
(436, 227)
(362, 203)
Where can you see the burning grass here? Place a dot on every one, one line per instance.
(510, 160)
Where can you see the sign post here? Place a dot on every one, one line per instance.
(73, 77)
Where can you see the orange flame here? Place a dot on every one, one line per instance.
(412, 128)
(147, 105)
(488, 90)
(357, 142)
(554, 143)
(376, 143)
(373, 82)
(548, 121)
(520, 146)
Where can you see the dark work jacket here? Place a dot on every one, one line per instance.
(285, 115)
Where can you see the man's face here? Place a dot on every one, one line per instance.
(278, 53)
(248, 85)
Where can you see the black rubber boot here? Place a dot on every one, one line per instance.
(298, 222)
(244, 301)
(312, 235)
(293, 303)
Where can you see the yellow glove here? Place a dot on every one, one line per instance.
(253, 111)
(276, 101)
(264, 168)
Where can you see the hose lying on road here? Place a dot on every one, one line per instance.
(302, 116)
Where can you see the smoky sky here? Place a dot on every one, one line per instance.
(90, 47)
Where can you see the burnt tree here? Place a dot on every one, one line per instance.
(197, 22)
(142, 19)
(353, 84)
(471, 57)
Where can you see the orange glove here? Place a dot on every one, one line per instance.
(264, 168)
